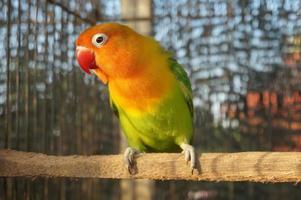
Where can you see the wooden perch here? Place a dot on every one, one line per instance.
(245, 166)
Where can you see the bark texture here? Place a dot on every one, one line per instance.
(244, 166)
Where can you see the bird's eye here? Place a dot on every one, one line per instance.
(99, 39)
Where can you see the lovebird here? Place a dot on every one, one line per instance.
(149, 91)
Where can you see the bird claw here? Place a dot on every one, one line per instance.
(189, 155)
(192, 171)
(186, 155)
(129, 159)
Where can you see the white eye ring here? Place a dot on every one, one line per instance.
(99, 39)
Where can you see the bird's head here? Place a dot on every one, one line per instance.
(110, 50)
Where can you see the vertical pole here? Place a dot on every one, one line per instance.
(46, 105)
(27, 191)
(7, 107)
(17, 120)
(17, 82)
(8, 183)
(132, 9)
(136, 189)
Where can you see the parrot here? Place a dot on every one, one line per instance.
(149, 91)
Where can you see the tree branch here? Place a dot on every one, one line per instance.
(66, 9)
(94, 21)
(245, 166)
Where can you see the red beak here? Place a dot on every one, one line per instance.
(85, 58)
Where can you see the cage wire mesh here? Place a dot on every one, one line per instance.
(243, 58)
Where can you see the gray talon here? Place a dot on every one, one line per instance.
(189, 155)
(128, 157)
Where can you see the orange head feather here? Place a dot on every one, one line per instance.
(110, 50)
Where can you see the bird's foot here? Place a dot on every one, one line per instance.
(129, 159)
(189, 155)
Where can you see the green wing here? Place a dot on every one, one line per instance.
(184, 82)
(114, 108)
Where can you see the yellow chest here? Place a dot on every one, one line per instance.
(142, 93)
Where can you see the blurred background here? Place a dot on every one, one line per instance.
(243, 58)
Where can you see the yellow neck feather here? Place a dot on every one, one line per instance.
(141, 93)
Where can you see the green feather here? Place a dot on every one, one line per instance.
(114, 108)
(169, 126)
(184, 82)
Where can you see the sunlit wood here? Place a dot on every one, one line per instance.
(244, 166)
